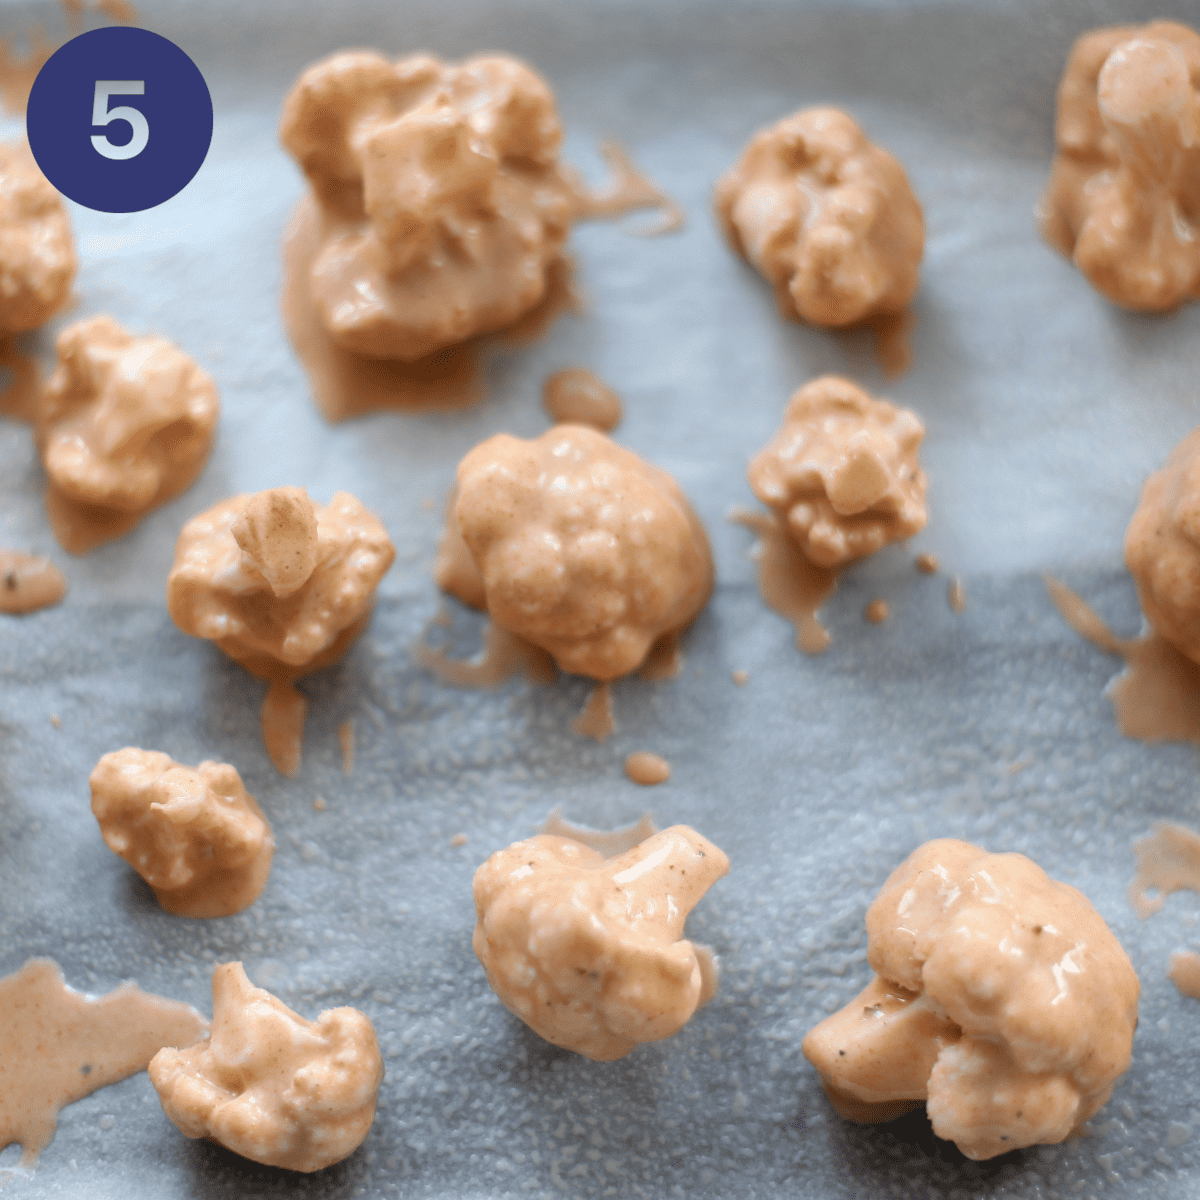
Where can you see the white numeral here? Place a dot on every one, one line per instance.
(102, 115)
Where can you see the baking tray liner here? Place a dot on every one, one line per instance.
(1045, 408)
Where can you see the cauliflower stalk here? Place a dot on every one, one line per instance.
(282, 585)
(270, 1085)
(1124, 194)
(589, 951)
(1002, 1001)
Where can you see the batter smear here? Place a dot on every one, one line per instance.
(1155, 697)
(57, 1046)
(1168, 861)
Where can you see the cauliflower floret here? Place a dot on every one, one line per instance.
(282, 585)
(1002, 1000)
(1124, 194)
(270, 1085)
(1162, 548)
(588, 951)
(124, 424)
(578, 546)
(194, 834)
(842, 472)
(828, 218)
(443, 203)
(37, 259)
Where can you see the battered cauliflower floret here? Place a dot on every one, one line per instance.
(578, 546)
(124, 424)
(1124, 194)
(1001, 1000)
(270, 1085)
(37, 258)
(194, 834)
(828, 218)
(589, 951)
(842, 472)
(281, 584)
(1162, 548)
(439, 185)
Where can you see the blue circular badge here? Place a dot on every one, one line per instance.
(119, 119)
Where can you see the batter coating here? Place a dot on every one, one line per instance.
(589, 951)
(1123, 199)
(827, 217)
(842, 472)
(577, 545)
(1001, 1000)
(442, 200)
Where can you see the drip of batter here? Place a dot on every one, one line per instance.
(578, 397)
(791, 583)
(647, 769)
(596, 720)
(58, 1045)
(1155, 697)
(28, 583)
(503, 656)
(18, 401)
(1168, 861)
(628, 191)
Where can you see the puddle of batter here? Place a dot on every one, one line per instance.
(1157, 696)
(58, 1045)
(789, 582)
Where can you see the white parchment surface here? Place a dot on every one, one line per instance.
(1045, 408)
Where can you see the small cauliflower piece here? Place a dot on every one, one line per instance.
(589, 951)
(1162, 548)
(842, 472)
(443, 203)
(194, 834)
(1123, 199)
(270, 1085)
(37, 258)
(828, 218)
(124, 424)
(1002, 1001)
(578, 546)
(282, 585)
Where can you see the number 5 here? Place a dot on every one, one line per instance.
(102, 115)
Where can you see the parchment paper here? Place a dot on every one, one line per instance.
(1045, 409)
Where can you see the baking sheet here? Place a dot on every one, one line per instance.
(1045, 408)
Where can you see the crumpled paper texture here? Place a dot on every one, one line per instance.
(1045, 408)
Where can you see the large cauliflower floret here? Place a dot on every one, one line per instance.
(842, 472)
(270, 1085)
(589, 951)
(1162, 548)
(1002, 1000)
(124, 424)
(827, 217)
(37, 258)
(440, 188)
(282, 585)
(194, 834)
(583, 548)
(1124, 194)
